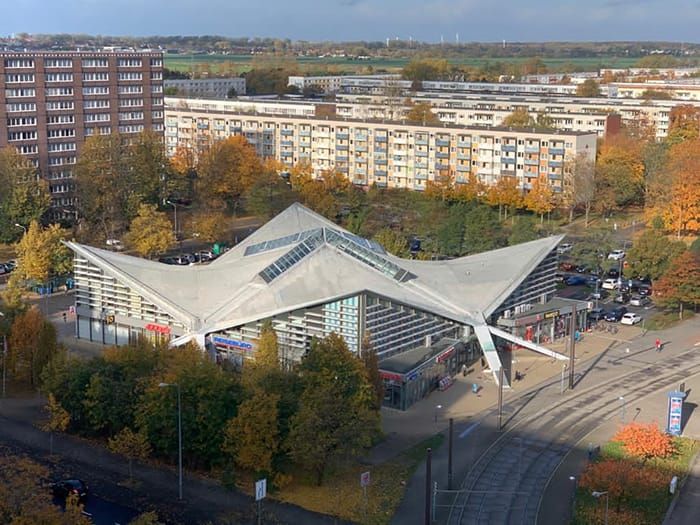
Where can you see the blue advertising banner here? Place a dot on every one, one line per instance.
(231, 343)
(675, 413)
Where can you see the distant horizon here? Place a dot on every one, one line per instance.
(367, 20)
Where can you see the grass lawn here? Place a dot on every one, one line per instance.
(341, 494)
(666, 319)
(647, 510)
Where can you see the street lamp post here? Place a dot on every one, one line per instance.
(596, 494)
(174, 205)
(21, 226)
(4, 358)
(179, 434)
(437, 408)
(624, 402)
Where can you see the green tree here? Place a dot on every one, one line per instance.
(420, 69)
(679, 286)
(252, 437)
(150, 232)
(524, 229)
(482, 230)
(270, 193)
(371, 363)
(393, 242)
(593, 249)
(588, 88)
(132, 445)
(25, 197)
(209, 397)
(651, 254)
(58, 421)
(335, 419)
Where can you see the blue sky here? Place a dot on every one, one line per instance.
(474, 20)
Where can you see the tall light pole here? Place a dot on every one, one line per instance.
(622, 398)
(4, 358)
(179, 434)
(21, 226)
(596, 494)
(174, 205)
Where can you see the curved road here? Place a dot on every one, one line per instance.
(506, 483)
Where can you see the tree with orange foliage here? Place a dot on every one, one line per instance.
(442, 187)
(619, 173)
(540, 198)
(679, 205)
(469, 191)
(622, 479)
(645, 440)
(684, 124)
(506, 194)
(226, 170)
(322, 193)
(184, 160)
(680, 283)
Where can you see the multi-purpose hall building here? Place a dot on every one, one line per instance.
(310, 278)
(386, 153)
(51, 101)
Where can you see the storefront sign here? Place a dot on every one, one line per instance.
(231, 343)
(390, 376)
(412, 377)
(675, 412)
(445, 355)
(551, 315)
(159, 328)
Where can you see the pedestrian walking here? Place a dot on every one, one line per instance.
(658, 344)
(64, 317)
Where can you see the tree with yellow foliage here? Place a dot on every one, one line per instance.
(150, 232)
(470, 190)
(422, 113)
(679, 205)
(441, 188)
(506, 194)
(58, 421)
(540, 198)
(132, 445)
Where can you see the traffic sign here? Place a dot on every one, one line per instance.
(260, 489)
(364, 479)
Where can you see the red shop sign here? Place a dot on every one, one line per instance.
(442, 357)
(389, 375)
(158, 328)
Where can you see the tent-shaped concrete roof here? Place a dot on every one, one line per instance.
(300, 258)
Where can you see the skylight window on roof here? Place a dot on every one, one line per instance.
(293, 256)
(366, 255)
(280, 242)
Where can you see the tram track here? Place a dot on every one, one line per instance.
(517, 466)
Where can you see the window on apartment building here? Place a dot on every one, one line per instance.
(59, 77)
(97, 117)
(129, 75)
(130, 102)
(95, 62)
(60, 119)
(21, 135)
(19, 93)
(60, 105)
(96, 90)
(65, 132)
(21, 121)
(61, 146)
(127, 90)
(95, 77)
(129, 62)
(93, 104)
(19, 107)
(58, 62)
(156, 62)
(28, 149)
(520, 142)
(19, 78)
(59, 92)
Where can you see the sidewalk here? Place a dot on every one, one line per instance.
(404, 429)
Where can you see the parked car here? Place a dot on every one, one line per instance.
(115, 244)
(622, 298)
(610, 284)
(582, 268)
(167, 260)
(639, 300)
(592, 279)
(613, 272)
(646, 291)
(615, 314)
(631, 318)
(567, 266)
(576, 280)
(596, 314)
(616, 255)
(61, 489)
(565, 247)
